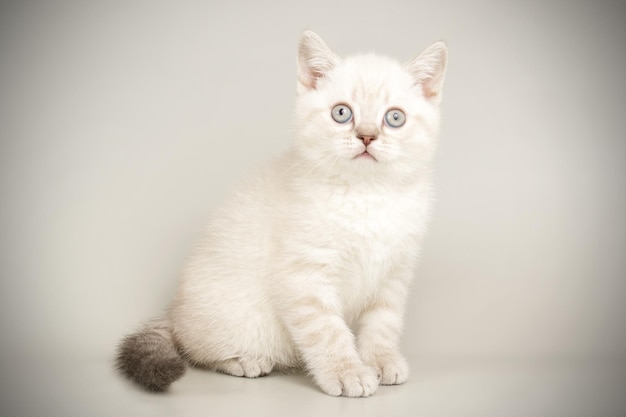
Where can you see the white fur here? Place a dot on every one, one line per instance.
(308, 262)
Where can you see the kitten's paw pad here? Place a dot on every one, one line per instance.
(394, 371)
(351, 381)
(247, 367)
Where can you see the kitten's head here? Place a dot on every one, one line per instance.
(367, 116)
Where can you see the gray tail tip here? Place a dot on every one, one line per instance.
(148, 362)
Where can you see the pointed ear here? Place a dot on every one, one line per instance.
(315, 59)
(429, 69)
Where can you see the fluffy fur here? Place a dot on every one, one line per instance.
(308, 263)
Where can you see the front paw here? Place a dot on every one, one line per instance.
(394, 369)
(349, 380)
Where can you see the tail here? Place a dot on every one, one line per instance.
(149, 357)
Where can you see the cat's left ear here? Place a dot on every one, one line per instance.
(429, 70)
(315, 60)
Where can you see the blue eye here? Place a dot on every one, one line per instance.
(341, 113)
(395, 118)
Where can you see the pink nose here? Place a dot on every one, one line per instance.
(367, 139)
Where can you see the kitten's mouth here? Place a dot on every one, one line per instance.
(365, 155)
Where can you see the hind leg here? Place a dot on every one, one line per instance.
(245, 366)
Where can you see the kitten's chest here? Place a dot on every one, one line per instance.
(369, 225)
(368, 234)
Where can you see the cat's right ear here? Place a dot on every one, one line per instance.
(315, 60)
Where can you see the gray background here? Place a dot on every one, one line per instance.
(123, 123)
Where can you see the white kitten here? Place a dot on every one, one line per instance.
(308, 263)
